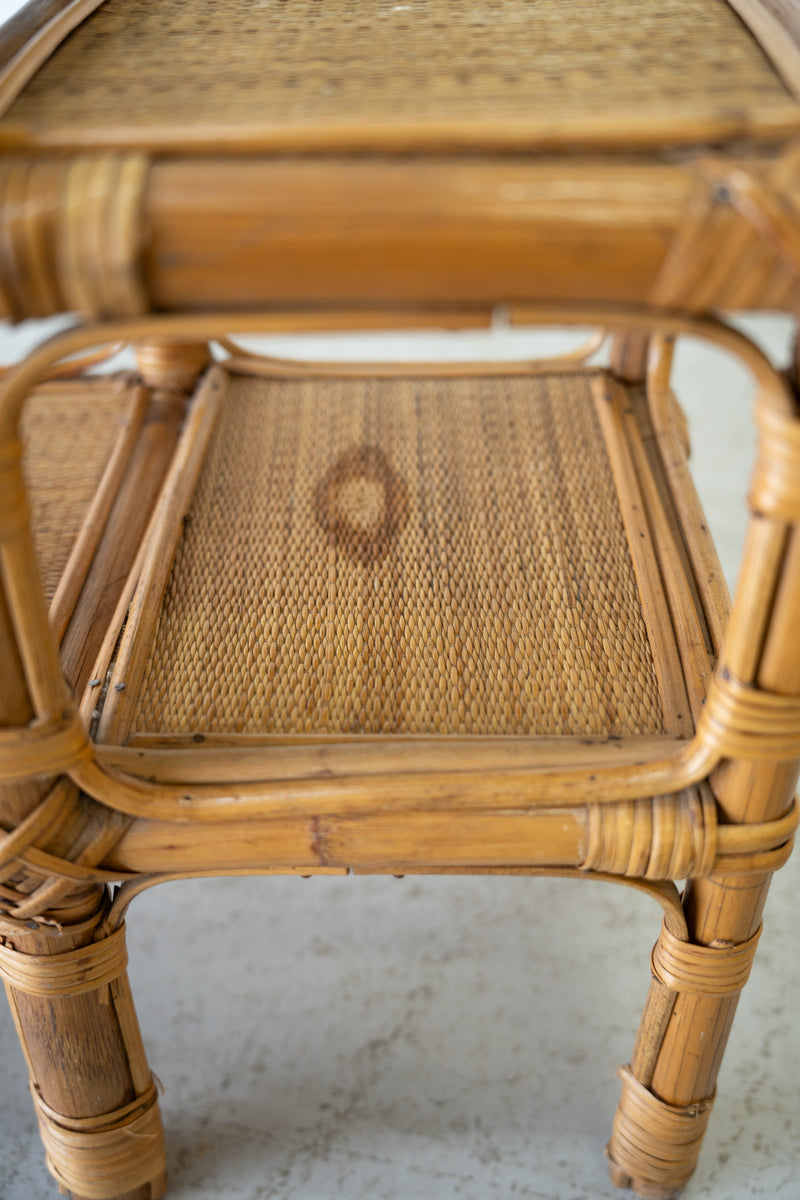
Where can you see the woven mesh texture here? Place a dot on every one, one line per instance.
(403, 555)
(68, 431)
(155, 64)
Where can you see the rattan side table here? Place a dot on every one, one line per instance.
(266, 616)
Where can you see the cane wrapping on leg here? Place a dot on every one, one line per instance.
(113, 1153)
(655, 1144)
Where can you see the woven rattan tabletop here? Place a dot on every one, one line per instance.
(418, 556)
(302, 74)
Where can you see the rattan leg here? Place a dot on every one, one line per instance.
(93, 1093)
(668, 1089)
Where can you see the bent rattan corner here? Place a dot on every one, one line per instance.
(268, 616)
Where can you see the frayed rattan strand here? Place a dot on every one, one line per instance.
(62, 876)
(66, 871)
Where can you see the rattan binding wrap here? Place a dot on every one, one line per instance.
(654, 1141)
(401, 555)
(71, 234)
(374, 71)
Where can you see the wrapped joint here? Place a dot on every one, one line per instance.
(702, 970)
(756, 847)
(73, 973)
(654, 1145)
(739, 721)
(71, 235)
(666, 837)
(108, 1155)
(45, 747)
(171, 365)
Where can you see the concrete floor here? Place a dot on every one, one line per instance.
(433, 1038)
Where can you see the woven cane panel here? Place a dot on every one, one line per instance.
(431, 556)
(68, 431)
(152, 65)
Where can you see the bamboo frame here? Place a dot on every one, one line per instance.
(671, 773)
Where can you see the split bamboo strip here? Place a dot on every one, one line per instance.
(685, 620)
(609, 400)
(708, 573)
(137, 490)
(164, 530)
(241, 758)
